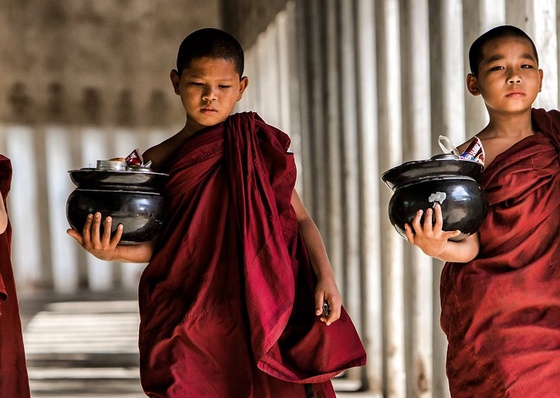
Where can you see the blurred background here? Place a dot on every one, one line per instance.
(360, 86)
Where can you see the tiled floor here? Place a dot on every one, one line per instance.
(77, 347)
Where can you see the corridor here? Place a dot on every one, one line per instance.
(85, 346)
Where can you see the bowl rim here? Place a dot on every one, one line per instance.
(430, 168)
(87, 170)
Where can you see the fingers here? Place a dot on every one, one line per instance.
(438, 225)
(87, 228)
(107, 225)
(118, 234)
(96, 233)
(95, 228)
(416, 221)
(331, 311)
(328, 308)
(409, 233)
(433, 222)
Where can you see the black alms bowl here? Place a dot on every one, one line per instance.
(444, 179)
(131, 198)
(141, 213)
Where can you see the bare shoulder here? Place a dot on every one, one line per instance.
(160, 152)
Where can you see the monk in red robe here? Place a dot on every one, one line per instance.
(13, 371)
(231, 302)
(500, 289)
(226, 301)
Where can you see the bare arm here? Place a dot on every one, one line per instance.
(106, 248)
(3, 216)
(326, 290)
(435, 242)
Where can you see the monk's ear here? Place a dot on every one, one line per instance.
(174, 76)
(472, 84)
(243, 83)
(541, 74)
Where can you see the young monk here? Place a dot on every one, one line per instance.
(226, 303)
(13, 370)
(500, 288)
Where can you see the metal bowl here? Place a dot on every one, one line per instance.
(444, 179)
(141, 213)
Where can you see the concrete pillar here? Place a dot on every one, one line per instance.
(416, 144)
(370, 208)
(389, 82)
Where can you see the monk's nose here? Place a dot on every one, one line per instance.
(209, 95)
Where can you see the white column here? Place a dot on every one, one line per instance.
(333, 135)
(545, 35)
(23, 205)
(390, 139)
(539, 20)
(351, 182)
(453, 76)
(418, 266)
(64, 258)
(289, 84)
(492, 13)
(453, 91)
(370, 185)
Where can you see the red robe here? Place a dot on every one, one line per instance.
(227, 301)
(501, 311)
(13, 370)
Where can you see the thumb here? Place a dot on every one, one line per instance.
(76, 235)
(452, 234)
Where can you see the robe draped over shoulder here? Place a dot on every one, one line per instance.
(13, 371)
(501, 311)
(227, 300)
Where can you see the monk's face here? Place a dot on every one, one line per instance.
(509, 78)
(209, 89)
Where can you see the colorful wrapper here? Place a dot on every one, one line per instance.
(475, 151)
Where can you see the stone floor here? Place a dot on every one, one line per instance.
(86, 347)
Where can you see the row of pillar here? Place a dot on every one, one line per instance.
(377, 83)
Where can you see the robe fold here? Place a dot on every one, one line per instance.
(227, 300)
(13, 371)
(501, 311)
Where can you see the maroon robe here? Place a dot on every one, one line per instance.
(501, 311)
(13, 371)
(227, 301)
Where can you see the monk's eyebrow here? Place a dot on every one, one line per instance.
(528, 56)
(493, 58)
(498, 57)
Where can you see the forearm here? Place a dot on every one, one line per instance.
(460, 252)
(141, 253)
(316, 249)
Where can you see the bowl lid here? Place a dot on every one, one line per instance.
(93, 178)
(443, 165)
